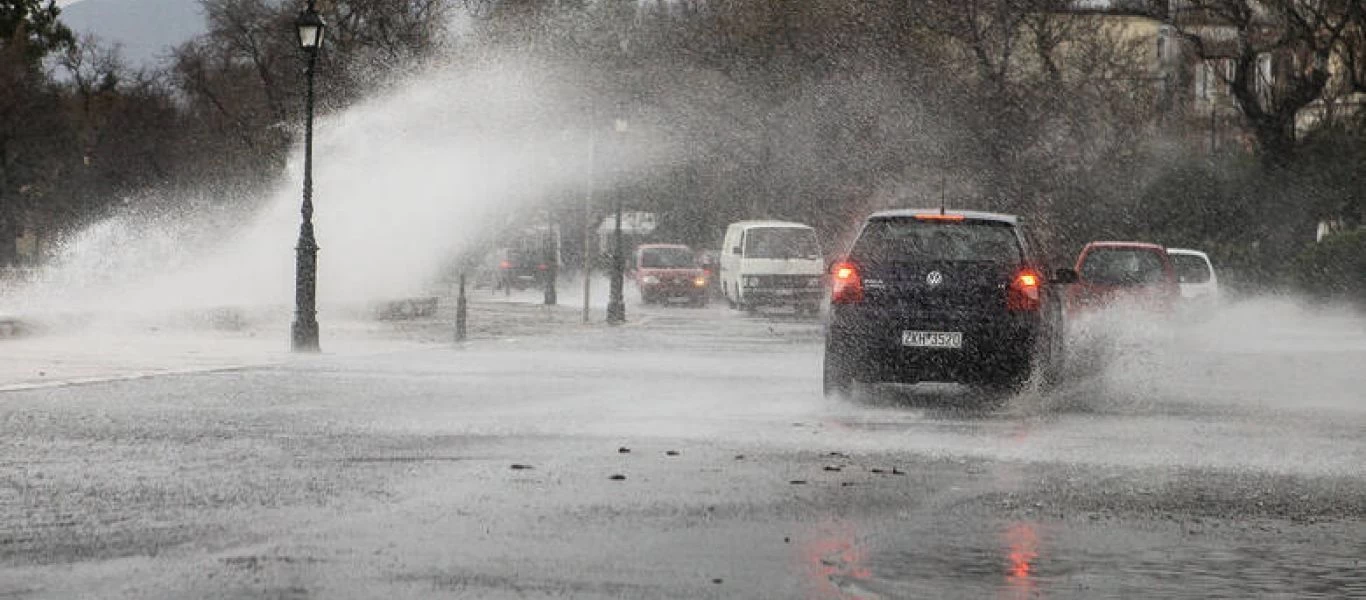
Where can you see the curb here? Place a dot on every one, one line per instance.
(98, 379)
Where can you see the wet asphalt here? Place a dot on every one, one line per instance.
(691, 455)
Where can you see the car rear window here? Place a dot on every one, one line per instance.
(667, 258)
(910, 239)
(1122, 266)
(520, 257)
(781, 243)
(1191, 268)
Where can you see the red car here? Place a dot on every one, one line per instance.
(666, 272)
(1132, 274)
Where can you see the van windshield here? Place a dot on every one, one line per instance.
(914, 240)
(781, 243)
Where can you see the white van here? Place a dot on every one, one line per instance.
(772, 263)
(1195, 273)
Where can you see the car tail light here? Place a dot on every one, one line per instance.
(542, 267)
(505, 265)
(1023, 294)
(846, 285)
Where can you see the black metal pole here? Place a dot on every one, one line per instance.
(461, 309)
(552, 259)
(616, 305)
(305, 329)
(588, 231)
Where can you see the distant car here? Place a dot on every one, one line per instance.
(1132, 275)
(1196, 277)
(667, 272)
(514, 269)
(929, 296)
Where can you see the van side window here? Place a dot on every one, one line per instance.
(1190, 269)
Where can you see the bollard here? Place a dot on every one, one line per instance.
(461, 307)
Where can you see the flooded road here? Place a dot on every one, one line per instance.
(691, 455)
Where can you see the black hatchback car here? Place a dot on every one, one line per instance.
(940, 296)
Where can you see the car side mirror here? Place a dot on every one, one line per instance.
(1065, 277)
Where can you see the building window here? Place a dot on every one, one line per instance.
(1265, 77)
(1203, 75)
(1213, 78)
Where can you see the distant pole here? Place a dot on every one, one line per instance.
(461, 309)
(588, 230)
(552, 259)
(616, 304)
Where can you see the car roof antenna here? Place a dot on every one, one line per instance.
(941, 194)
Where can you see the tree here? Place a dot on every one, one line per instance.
(1353, 53)
(29, 30)
(35, 24)
(243, 79)
(1299, 38)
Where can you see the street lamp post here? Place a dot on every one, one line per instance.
(305, 329)
(616, 304)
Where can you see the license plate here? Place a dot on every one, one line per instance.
(932, 339)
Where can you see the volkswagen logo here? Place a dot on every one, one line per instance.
(934, 279)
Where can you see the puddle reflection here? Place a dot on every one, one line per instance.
(835, 557)
(1021, 541)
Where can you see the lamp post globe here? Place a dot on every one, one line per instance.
(311, 26)
(304, 332)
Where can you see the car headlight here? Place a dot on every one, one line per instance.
(699, 282)
(650, 280)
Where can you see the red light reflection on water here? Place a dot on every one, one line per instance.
(1022, 552)
(833, 552)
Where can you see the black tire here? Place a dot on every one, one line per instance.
(837, 380)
